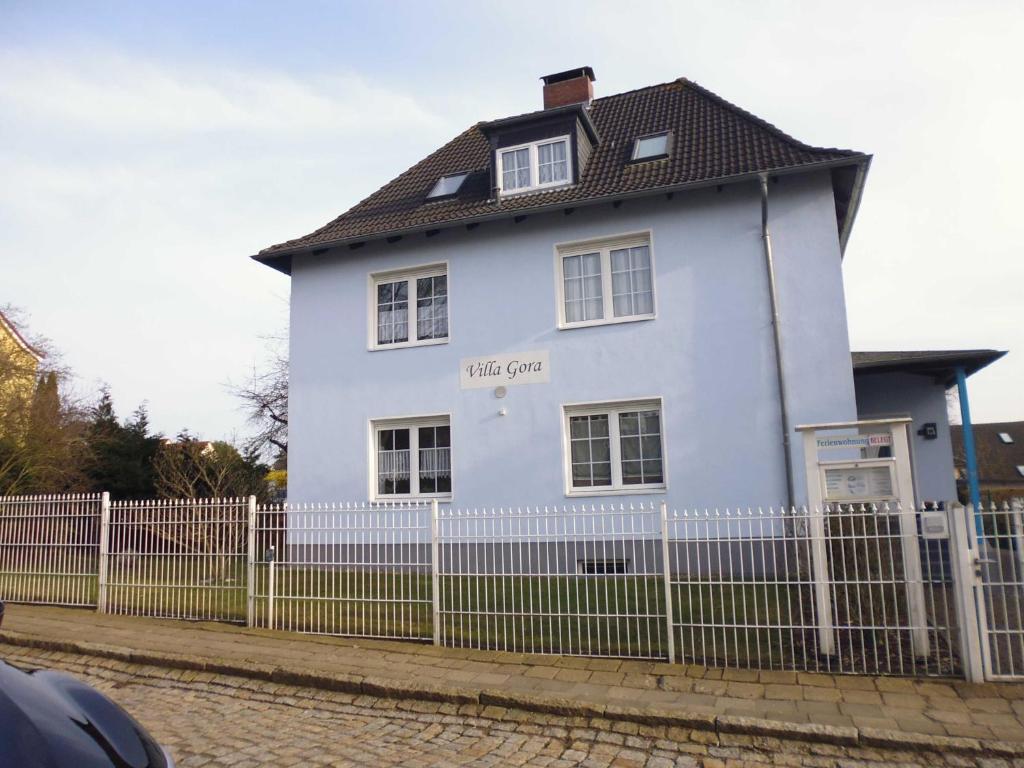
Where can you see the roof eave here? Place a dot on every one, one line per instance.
(281, 259)
(940, 367)
(856, 195)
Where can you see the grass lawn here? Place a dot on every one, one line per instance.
(739, 624)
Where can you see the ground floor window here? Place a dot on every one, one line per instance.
(412, 457)
(614, 447)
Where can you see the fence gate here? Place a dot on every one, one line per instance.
(1000, 589)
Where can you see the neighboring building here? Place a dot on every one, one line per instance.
(19, 364)
(574, 304)
(999, 447)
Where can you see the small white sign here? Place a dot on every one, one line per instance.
(855, 441)
(934, 525)
(505, 370)
(857, 483)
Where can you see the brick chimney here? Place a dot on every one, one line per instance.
(573, 86)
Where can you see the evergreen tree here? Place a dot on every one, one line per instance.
(120, 456)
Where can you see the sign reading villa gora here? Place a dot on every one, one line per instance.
(505, 370)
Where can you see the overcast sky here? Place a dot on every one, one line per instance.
(147, 149)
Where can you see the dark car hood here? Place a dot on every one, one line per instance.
(51, 720)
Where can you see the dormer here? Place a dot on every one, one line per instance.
(549, 149)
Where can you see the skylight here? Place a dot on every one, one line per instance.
(448, 185)
(1005, 437)
(1020, 469)
(651, 146)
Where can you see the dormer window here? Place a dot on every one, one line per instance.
(533, 166)
(447, 186)
(651, 147)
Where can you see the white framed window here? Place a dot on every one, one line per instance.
(408, 308)
(614, 448)
(538, 165)
(609, 281)
(411, 458)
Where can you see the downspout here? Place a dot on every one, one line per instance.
(967, 430)
(766, 239)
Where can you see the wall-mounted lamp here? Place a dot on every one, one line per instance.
(929, 431)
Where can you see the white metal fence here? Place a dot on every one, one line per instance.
(833, 590)
(49, 548)
(1001, 585)
(569, 580)
(850, 589)
(361, 570)
(181, 558)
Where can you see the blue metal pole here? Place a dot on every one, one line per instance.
(972, 460)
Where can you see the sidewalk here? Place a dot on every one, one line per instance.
(843, 706)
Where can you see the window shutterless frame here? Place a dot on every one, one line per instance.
(612, 409)
(652, 146)
(409, 276)
(412, 424)
(603, 247)
(534, 165)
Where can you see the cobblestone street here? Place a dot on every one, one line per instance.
(213, 720)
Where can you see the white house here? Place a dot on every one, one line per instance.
(630, 298)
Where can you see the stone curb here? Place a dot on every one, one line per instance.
(548, 705)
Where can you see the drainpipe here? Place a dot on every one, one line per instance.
(766, 239)
(972, 461)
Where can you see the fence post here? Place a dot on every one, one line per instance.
(271, 572)
(819, 566)
(101, 600)
(907, 512)
(970, 609)
(667, 572)
(250, 573)
(435, 564)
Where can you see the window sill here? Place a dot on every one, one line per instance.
(443, 499)
(533, 190)
(562, 326)
(409, 344)
(639, 490)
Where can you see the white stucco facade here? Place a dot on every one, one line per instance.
(707, 355)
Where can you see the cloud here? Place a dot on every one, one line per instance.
(134, 189)
(115, 94)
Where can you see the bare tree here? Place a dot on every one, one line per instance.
(41, 424)
(265, 401)
(191, 468)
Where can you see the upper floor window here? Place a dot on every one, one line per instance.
(537, 165)
(652, 147)
(409, 308)
(605, 282)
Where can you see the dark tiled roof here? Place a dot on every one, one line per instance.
(714, 141)
(997, 461)
(940, 364)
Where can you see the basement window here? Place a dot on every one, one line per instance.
(1006, 437)
(447, 186)
(652, 147)
(602, 567)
